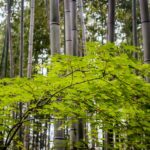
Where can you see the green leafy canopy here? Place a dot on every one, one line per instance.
(101, 87)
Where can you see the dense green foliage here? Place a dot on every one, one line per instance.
(101, 88)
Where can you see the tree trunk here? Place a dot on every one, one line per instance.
(31, 32)
(111, 20)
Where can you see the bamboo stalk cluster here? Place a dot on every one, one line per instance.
(77, 132)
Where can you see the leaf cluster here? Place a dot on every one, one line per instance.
(102, 88)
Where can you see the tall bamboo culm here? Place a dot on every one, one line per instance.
(83, 27)
(145, 20)
(134, 27)
(77, 127)
(10, 39)
(4, 60)
(54, 27)
(59, 134)
(68, 38)
(109, 135)
(21, 63)
(74, 27)
(31, 33)
(111, 20)
(4, 55)
(21, 39)
(29, 67)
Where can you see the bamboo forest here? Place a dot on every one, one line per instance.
(74, 74)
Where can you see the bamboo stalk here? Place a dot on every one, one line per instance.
(68, 38)
(31, 33)
(10, 39)
(59, 134)
(4, 55)
(110, 38)
(74, 27)
(21, 39)
(111, 20)
(81, 12)
(134, 26)
(54, 27)
(145, 20)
